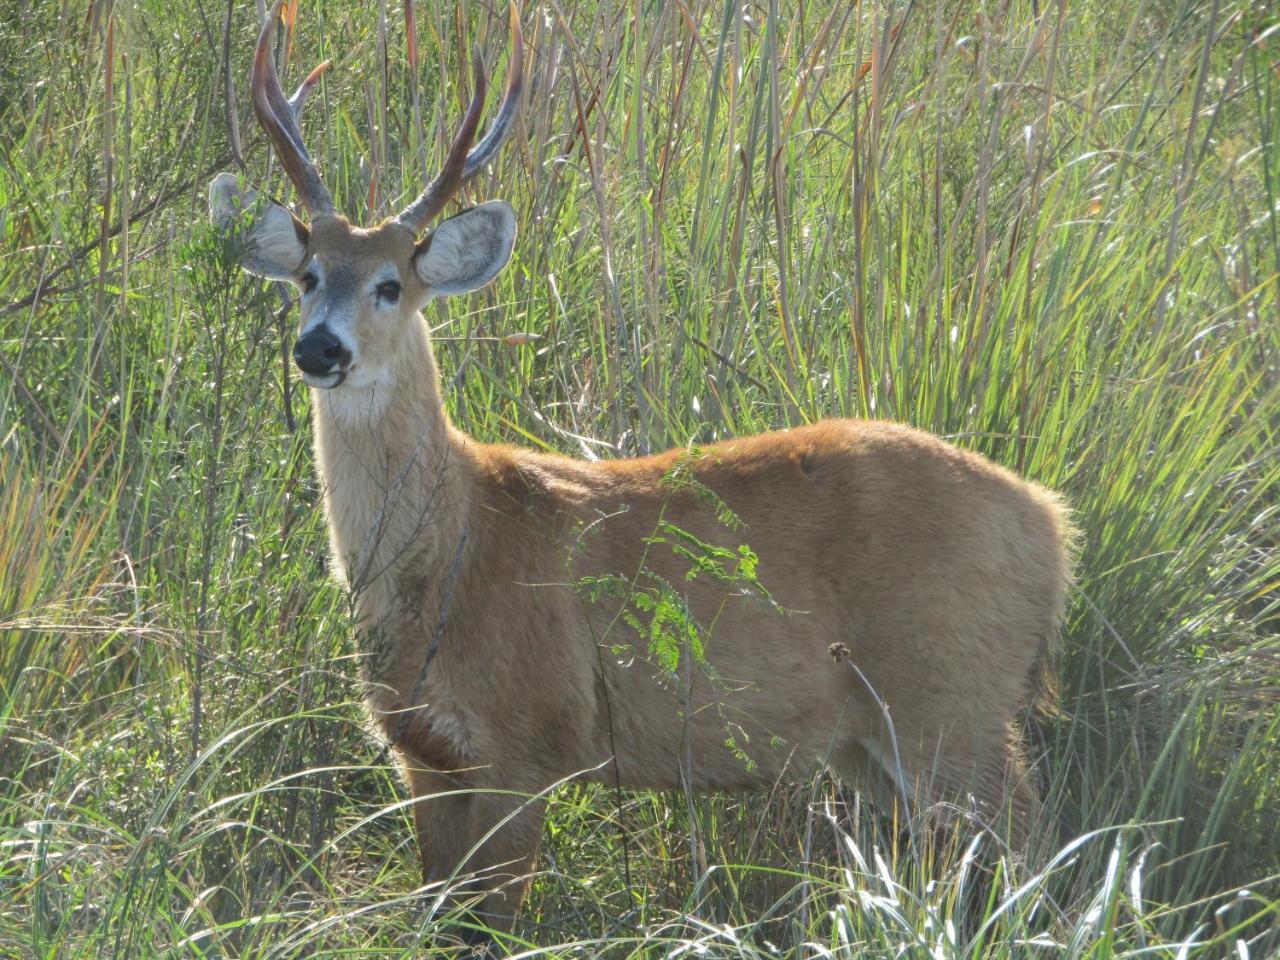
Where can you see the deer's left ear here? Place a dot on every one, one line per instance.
(467, 251)
(276, 241)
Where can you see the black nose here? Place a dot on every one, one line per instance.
(320, 352)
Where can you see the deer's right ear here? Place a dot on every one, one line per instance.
(276, 240)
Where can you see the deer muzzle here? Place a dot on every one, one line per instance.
(320, 356)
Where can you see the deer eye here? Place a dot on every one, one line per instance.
(389, 291)
(309, 281)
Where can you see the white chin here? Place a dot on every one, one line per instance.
(326, 381)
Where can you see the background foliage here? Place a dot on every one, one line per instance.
(1046, 231)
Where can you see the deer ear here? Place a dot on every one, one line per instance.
(275, 242)
(467, 251)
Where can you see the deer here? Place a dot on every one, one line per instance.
(886, 605)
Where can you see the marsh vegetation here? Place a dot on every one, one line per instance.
(1045, 231)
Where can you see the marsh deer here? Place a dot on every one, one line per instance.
(905, 596)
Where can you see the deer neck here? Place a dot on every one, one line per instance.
(394, 474)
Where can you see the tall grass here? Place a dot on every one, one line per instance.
(1046, 231)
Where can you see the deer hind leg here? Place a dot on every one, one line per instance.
(943, 781)
(1019, 800)
(482, 844)
(993, 787)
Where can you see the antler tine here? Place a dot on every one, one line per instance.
(463, 163)
(300, 95)
(504, 122)
(278, 117)
(446, 183)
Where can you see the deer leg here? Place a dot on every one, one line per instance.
(486, 840)
(984, 778)
(511, 828)
(1011, 792)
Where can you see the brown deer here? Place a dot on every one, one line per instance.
(527, 617)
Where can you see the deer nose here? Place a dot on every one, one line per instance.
(319, 352)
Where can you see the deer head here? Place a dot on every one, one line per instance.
(360, 287)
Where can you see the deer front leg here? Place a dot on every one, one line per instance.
(486, 838)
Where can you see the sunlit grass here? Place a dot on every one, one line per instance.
(1046, 233)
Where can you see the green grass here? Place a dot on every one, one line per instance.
(1053, 240)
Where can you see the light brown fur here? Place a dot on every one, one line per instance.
(942, 573)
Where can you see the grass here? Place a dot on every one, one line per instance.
(1045, 231)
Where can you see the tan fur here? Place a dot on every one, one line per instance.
(941, 573)
(935, 575)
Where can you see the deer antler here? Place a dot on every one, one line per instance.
(279, 118)
(463, 163)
